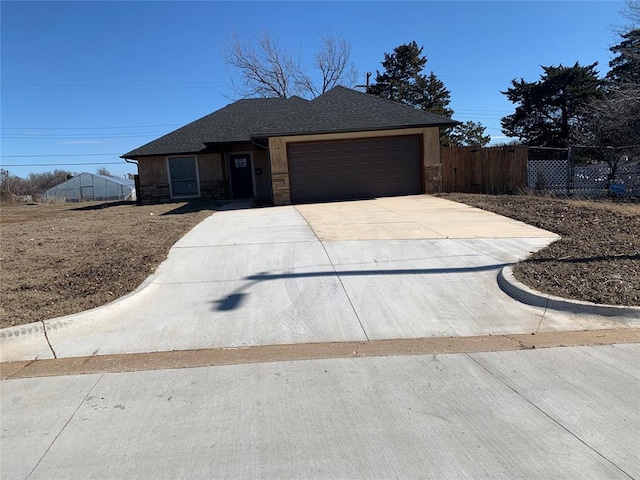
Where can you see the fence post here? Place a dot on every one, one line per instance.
(569, 173)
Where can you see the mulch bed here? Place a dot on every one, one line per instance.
(596, 260)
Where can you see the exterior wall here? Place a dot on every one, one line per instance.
(280, 170)
(432, 169)
(154, 180)
(260, 158)
(263, 179)
(154, 177)
(432, 172)
(274, 177)
(212, 183)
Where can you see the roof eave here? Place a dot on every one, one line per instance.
(452, 123)
(128, 156)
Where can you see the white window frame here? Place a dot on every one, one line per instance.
(195, 159)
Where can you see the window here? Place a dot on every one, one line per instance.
(183, 177)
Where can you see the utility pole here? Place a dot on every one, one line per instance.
(5, 181)
(367, 82)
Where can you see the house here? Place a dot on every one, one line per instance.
(343, 144)
(89, 186)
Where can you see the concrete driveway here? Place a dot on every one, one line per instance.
(402, 267)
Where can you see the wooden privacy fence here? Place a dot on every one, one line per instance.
(484, 169)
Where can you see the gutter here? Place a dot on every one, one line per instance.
(451, 124)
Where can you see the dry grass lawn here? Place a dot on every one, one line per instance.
(596, 260)
(61, 259)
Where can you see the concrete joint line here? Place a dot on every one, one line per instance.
(337, 274)
(542, 317)
(459, 242)
(187, 247)
(64, 427)
(523, 345)
(46, 337)
(557, 422)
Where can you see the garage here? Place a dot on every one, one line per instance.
(353, 169)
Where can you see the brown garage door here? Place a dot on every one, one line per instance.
(350, 169)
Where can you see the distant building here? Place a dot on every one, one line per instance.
(90, 187)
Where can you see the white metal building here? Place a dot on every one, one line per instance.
(89, 186)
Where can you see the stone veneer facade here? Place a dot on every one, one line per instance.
(154, 179)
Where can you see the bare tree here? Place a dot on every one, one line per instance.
(631, 11)
(268, 70)
(333, 63)
(611, 128)
(103, 171)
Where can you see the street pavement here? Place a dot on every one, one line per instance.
(570, 413)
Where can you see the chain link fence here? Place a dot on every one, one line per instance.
(584, 172)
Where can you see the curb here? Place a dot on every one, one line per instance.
(520, 292)
(37, 328)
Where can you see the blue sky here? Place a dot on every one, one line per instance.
(84, 82)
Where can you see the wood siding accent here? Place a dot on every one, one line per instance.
(154, 177)
(153, 171)
(279, 171)
(209, 167)
(263, 179)
(491, 170)
(154, 180)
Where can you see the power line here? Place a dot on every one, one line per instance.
(24, 136)
(89, 128)
(111, 87)
(60, 164)
(60, 155)
(90, 85)
(480, 110)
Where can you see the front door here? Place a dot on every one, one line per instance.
(241, 175)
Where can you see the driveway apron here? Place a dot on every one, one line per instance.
(352, 271)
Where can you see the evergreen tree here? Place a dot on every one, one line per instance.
(398, 81)
(432, 96)
(550, 109)
(403, 82)
(625, 66)
(469, 134)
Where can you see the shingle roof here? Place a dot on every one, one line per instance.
(338, 110)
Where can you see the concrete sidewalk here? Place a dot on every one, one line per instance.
(550, 413)
(316, 273)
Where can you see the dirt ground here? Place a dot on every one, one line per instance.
(598, 257)
(61, 259)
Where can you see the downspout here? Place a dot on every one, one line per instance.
(136, 180)
(225, 173)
